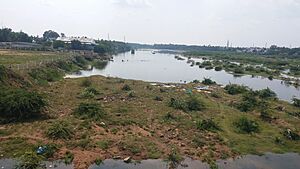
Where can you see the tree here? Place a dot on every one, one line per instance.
(76, 45)
(58, 44)
(50, 35)
(7, 35)
(100, 49)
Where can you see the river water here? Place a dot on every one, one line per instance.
(161, 67)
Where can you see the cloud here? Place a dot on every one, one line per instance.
(132, 3)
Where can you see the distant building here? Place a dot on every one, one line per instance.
(82, 40)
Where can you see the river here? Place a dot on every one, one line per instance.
(162, 67)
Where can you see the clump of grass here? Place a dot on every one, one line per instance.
(234, 89)
(192, 104)
(131, 94)
(86, 82)
(245, 125)
(69, 157)
(29, 160)
(174, 158)
(215, 95)
(98, 161)
(60, 130)
(208, 81)
(169, 116)
(92, 111)
(19, 104)
(47, 74)
(248, 103)
(89, 92)
(126, 87)
(208, 125)
(195, 104)
(103, 144)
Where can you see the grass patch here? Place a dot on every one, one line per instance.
(93, 111)
(60, 130)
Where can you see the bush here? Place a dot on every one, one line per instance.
(19, 104)
(69, 157)
(192, 104)
(244, 125)
(126, 87)
(60, 130)
(234, 89)
(249, 102)
(100, 64)
(48, 74)
(29, 160)
(195, 104)
(267, 93)
(89, 111)
(238, 70)
(208, 125)
(208, 81)
(89, 92)
(296, 102)
(178, 104)
(86, 82)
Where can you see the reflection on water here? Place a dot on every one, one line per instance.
(165, 68)
(268, 161)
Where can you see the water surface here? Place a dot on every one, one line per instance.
(161, 67)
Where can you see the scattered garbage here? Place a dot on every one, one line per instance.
(127, 159)
(41, 149)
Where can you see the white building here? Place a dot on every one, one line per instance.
(83, 40)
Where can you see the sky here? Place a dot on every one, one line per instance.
(197, 22)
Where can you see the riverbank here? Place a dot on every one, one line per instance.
(88, 120)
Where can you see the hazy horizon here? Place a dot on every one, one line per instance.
(191, 22)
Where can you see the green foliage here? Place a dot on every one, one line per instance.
(47, 74)
(92, 111)
(126, 87)
(80, 61)
(50, 35)
(169, 116)
(218, 68)
(291, 135)
(89, 92)
(239, 70)
(244, 125)
(100, 64)
(104, 144)
(234, 89)
(248, 103)
(131, 94)
(296, 102)
(58, 44)
(192, 104)
(208, 81)
(174, 158)
(98, 161)
(29, 160)
(86, 82)
(7, 35)
(178, 104)
(208, 125)
(195, 104)
(76, 45)
(69, 157)
(60, 130)
(19, 104)
(266, 93)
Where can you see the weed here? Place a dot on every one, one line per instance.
(126, 87)
(244, 125)
(89, 111)
(60, 130)
(208, 125)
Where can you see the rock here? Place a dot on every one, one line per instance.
(127, 159)
(102, 124)
(50, 166)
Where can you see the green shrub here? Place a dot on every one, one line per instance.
(19, 104)
(208, 125)
(296, 102)
(195, 104)
(178, 104)
(244, 125)
(86, 82)
(89, 111)
(89, 92)
(208, 81)
(239, 70)
(60, 130)
(131, 94)
(266, 93)
(100, 64)
(29, 160)
(216, 95)
(126, 87)
(248, 103)
(234, 89)
(69, 157)
(47, 74)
